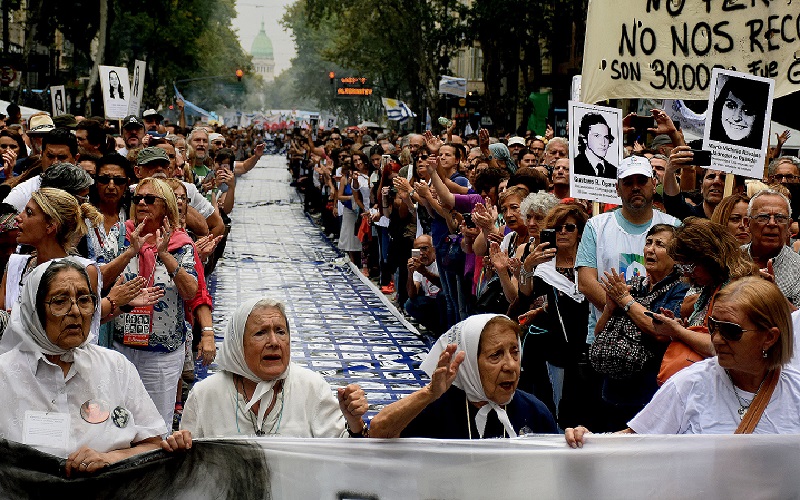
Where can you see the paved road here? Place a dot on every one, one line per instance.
(340, 326)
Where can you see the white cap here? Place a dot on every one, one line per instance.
(516, 140)
(214, 137)
(634, 165)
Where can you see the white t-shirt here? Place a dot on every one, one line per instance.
(428, 289)
(21, 193)
(306, 407)
(30, 382)
(795, 362)
(700, 400)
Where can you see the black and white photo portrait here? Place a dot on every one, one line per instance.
(116, 89)
(595, 151)
(58, 100)
(738, 113)
(594, 140)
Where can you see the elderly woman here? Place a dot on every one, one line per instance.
(748, 387)
(732, 213)
(709, 257)
(629, 374)
(152, 337)
(260, 392)
(88, 399)
(474, 370)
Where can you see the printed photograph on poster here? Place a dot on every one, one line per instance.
(58, 100)
(115, 86)
(137, 87)
(737, 122)
(595, 150)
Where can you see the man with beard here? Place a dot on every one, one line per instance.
(712, 188)
(615, 240)
(198, 140)
(132, 133)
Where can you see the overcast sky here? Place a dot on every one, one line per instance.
(248, 23)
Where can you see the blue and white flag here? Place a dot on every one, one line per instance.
(453, 86)
(397, 110)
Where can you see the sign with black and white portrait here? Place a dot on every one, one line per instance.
(595, 150)
(58, 100)
(737, 122)
(137, 87)
(115, 86)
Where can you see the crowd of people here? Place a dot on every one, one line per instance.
(673, 312)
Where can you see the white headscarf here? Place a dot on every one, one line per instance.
(26, 326)
(231, 359)
(466, 335)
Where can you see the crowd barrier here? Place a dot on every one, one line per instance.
(642, 467)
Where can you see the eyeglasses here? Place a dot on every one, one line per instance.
(423, 157)
(106, 179)
(149, 199)
(727, 330)
(763, 219)
(81, 199)
(785, 177)
(570, 228)
(736, 219)
(685, 268)
(180, 197)
(61, 305)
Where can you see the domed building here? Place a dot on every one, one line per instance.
(263, 59)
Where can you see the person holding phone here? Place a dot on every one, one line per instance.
(712, 188)
(425, 303)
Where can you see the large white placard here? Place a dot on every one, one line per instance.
(595, 151)
(668, 48)
(137, 87)
(58, 100)
(116, 91)
(737, 122)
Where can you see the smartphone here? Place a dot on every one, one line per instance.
(702, 158)
(468, 221)
(548, 236)
(643, 122)
(652, 316)
(415, 253)
(385, 161)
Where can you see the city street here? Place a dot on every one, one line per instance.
(340, 326)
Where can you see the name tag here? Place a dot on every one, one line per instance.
(50, 430)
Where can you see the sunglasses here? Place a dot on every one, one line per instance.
(149, 199)
(106, 179)
(423, 157)
(728, 331)
(570, 228)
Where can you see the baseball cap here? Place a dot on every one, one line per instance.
(660, 140)
(151, 154)
(40, 124)
(65, 121)
(516, 140)
(152, 113)
(215, 137)
(634, 165)
(131, 121)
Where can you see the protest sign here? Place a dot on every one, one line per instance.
(116, 91)
(57, 100)
(138, 87)
(595, 150)
(737, 122)
(668, 48)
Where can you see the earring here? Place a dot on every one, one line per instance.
(764, 354)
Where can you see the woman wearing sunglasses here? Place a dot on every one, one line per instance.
(152, 337)
(748, 387)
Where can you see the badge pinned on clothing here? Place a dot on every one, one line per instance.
(94, 411)
(120, 417)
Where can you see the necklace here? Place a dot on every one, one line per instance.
(744, 404)
(469, 424)
(251, 416)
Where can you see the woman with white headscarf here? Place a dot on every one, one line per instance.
(480, 358)
(260, 392)
(64, 395)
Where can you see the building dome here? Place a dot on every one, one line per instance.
(262, 45)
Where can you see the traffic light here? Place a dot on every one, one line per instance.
(239, 74)
(332, 76)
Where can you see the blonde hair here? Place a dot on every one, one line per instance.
(176, 184)
(163, 190)
(766, 307)
(63, 210)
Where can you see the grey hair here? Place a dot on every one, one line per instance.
(71, 178)
(556, 140)
(196, 130)
(768, 192)
(540, 202)
(268, 302)
(659, 157)
(773, 165)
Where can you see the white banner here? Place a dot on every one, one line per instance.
(737, 122)
(595, 151)
(137, 89)
(667, 48)
(116, 91)
(58, 100)
(453, 86)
